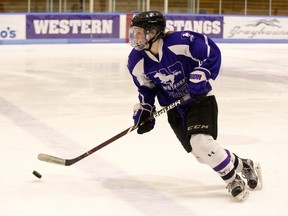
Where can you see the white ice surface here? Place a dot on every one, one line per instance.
(66, 99)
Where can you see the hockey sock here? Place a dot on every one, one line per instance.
(238, 164)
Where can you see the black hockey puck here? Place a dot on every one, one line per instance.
(37, 174)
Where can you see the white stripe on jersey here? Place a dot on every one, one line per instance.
(208, 46)
(141, 77)
(183, 50)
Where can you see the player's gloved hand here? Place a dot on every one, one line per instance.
(142, 112)
(199, 85)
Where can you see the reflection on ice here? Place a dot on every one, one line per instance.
(66, 99)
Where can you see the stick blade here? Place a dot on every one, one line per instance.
(51, 159)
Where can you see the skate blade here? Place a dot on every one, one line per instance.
(242, 197)
(258, 170)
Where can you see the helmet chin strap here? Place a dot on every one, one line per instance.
(151, 41)
(150, 45)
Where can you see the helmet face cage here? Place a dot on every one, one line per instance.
(151, 24)
(138, 37)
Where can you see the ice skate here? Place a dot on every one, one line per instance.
(237, 189)
(252, 173)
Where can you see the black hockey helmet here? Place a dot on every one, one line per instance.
(148, 21)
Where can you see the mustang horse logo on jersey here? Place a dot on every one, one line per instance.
(172, 79)
(167, 79)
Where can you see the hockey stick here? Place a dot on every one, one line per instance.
(68, 162)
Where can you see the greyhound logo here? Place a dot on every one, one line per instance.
(267, 22)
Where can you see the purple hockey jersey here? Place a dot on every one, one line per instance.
(167, 75)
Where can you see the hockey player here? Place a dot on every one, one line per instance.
(168, 66)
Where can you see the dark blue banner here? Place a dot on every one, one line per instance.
(212, 26)
(72, 26)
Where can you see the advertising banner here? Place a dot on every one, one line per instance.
(72, 26)
(255, 28)
(212, 26)
(12, 27)
(114, 27)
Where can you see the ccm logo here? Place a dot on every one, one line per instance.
(196, 127)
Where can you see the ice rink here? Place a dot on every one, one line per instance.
(66, 99)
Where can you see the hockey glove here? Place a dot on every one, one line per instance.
(199, 85)
(142, 112)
